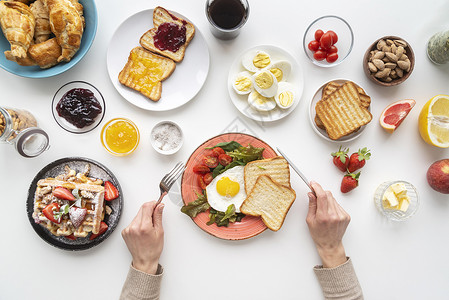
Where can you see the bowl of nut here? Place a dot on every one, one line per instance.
(389, 61)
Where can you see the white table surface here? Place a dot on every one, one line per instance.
(406, 260)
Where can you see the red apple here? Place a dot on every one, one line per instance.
(438, 176)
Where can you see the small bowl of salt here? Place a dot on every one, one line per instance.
(166, 137)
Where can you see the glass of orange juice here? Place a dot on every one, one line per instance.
(120, 136)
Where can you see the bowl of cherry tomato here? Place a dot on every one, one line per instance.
(328, 41)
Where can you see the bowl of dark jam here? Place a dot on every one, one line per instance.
(78, 107)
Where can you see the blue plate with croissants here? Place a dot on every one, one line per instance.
(45, 38)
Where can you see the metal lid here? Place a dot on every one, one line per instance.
(31, 142)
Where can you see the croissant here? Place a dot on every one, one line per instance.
(42, 29)
(67, 24)
(17, 23)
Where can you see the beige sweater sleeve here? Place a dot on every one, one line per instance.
(142, 286)
(340, 282)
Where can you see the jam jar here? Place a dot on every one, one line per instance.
(18, 127)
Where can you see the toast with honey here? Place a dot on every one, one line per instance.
(341, 112)
(269, 200)
(170, 35)
(145, 71)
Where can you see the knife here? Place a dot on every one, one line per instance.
(296, 170)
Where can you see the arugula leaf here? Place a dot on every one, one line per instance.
(195, 207)
(227, 146)
(224, 218)
(247, 154)
(218, 170)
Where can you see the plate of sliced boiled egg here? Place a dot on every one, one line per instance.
(265, 83)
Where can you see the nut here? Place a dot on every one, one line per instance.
(394, 48)
(404, 65)
(380, 44)
(386, 48)
(400, 43)
(388, 79)
(389, 42)
(393, 74)
(392, 57)
(382, 74)
(399, 71)
(390, 65)
(379, 64)
(372, 67)
(379, 55)
(399, 51)
(403, 57)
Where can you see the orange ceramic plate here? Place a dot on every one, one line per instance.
(249, 226)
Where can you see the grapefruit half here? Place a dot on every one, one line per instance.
(395, 113)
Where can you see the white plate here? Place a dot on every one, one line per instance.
(241, 101)
(183, 84)
(322, 133)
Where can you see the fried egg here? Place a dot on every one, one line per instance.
(281, 70)
(242, 83)
(265, 83)
(226, 189)
(286, 95)
(261, 103)
(256, 60)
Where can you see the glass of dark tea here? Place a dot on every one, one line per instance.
(227, 17)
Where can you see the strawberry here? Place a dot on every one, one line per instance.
(341, 159)
(77, 215)
(110, 191)
(49, 212)
(103, 228)
(358, 159)
(71, 237)
(350, 181)
(63, 193)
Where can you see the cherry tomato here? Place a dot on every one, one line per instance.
(320, 55)
(314, 46)
(208, 152)
(318, 35)
(207, 178)
(326, 41)
(217, 151)
(210, 161)
(332, 57)
(201, 169)
(332, 49)
(334, 36)
(201, 182)
(224, 159)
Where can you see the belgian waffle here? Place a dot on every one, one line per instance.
(91, 193)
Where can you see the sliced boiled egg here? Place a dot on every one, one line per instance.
(261, 103)
(242, 83)
(281, 70)
(256, 60)
(286, 95)
(265, 83)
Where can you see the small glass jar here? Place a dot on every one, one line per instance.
(438, 48)
(19, 128)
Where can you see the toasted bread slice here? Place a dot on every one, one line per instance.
(332, 86)
(341, 112)
(276, 167)
(161, 16)
(144, 72)
(318, 123)
(269, 200)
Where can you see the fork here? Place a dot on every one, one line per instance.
(170, 178)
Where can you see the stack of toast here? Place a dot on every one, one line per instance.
(343, 109)
(149, 65)
(270, 196)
